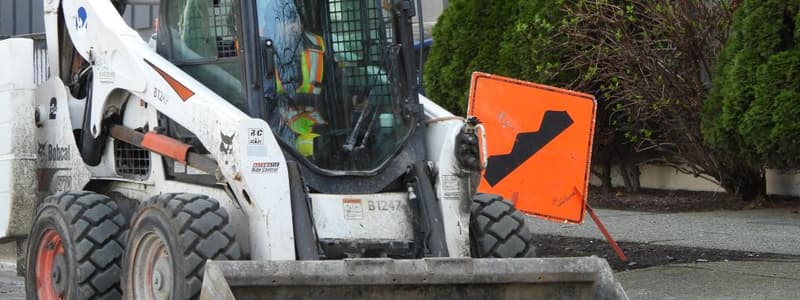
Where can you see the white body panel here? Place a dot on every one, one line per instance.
(17, 148)
(129, 77)
(126, 69)
(384, 216)
(59, 163)
(454, 186)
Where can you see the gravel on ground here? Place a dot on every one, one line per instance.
(642, 255)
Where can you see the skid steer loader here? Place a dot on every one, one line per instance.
(253, 149)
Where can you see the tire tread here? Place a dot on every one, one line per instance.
(99, 234)
(204, 232)
(498, 230)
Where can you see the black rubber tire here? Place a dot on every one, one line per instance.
(93, 234)
(497, 229)
(195, 229)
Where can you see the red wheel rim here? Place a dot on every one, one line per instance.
(50, 246)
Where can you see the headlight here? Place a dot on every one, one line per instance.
(468, 148)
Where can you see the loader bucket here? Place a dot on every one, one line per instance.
(440, 278)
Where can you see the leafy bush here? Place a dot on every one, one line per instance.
(752, 112)
(531, 47)
(651, 64)
(469, 37)
(650, 61)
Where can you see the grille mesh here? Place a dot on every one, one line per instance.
(224, 27)
(360, 41)
(130, 161)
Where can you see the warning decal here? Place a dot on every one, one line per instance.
(526, 145)
(353, 209)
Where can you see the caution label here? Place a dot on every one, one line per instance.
(353, 209)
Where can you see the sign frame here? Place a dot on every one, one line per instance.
(572, 115)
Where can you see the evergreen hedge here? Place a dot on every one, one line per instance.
(504, 37)
(753, 111)
(749, 120)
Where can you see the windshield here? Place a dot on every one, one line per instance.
(332, 90)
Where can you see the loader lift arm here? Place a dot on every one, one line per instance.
(123, 64)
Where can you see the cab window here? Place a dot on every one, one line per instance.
(204, 38)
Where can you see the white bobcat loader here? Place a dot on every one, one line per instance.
(254, 149)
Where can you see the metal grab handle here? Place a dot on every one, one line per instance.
(482, 141)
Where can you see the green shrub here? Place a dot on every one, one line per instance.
(503, 37)
(530, 49)
(650, 63)
(754, 108)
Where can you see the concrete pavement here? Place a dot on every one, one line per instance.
(763, 230)
(8, 253)
(11, 286)
(718, 280)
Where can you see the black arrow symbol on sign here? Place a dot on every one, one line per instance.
(527, 145)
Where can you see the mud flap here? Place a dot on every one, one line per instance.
(434, 278)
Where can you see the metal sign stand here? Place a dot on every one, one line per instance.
(603, 230)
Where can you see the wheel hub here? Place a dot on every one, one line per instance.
(152, 270)
(58, 274)
(51, 267)
(157, 284)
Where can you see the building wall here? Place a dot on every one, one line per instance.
(19, 17)
(779, 183)
(668, 178)
(25, 16)
(431, 10)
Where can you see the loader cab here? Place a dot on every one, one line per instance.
(200, 37)
(333, 78)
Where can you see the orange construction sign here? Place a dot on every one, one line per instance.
(538, 142)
